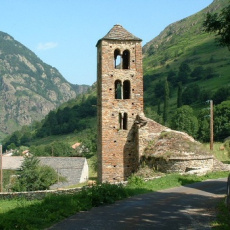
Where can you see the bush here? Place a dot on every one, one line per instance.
(227, 146)
(135, 181)
(32, 176)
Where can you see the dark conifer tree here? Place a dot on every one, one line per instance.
(179, 95)
(166, 101)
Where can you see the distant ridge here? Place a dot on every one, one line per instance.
(29, 88)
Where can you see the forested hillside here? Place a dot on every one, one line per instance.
(184, 53)
(195, 69)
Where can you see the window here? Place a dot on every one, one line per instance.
(117, 59)
(126, 89)
(123, 121)
(126, 59)
(122, 91)
(118, 89)
(121, 61)
(120, 121)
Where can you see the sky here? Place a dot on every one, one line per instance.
(64, 33)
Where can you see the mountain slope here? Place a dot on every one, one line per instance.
(186, 42)
(29, 88)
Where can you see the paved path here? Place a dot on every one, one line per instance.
(189, 207)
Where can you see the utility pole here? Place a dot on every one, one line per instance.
(211, 124)
(1, 176)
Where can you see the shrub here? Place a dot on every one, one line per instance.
(32, 176)
(227, 146)
(135, 181)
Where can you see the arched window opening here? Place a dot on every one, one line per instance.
(125, 121)
(120, 121)
(118, 89)
(126, 89)
(117, 59)
(126, 59)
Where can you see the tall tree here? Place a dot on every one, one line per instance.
(166, 101)
(179, 95)
(219, 24)
(32, 176)
(184, 120)
(222, 121)
(184, 72)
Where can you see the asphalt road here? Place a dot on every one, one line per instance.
(189, 207)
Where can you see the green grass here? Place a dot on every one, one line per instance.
(138, 186)
(69, 138)
(221, 155)
(40, 214)
(223, 218)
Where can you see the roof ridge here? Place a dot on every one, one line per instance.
(119, 33)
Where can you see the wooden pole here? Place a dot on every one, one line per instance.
(1, 180)
(211, 125)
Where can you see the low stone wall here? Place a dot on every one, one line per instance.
(36, 195)
(179, 164)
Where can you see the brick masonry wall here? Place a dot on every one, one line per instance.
(117, 155)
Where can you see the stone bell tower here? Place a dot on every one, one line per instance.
(120, 100)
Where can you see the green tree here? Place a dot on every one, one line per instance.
(159, 90)
(222, 94)
(166, 101)
(222, 121)
(198, 73)
(209, 72)
(32, 176)
(204, 125)
(184, 120)
(172, 77)
(56, 148)
(191, 94)
(184, 72)
(150, 113)
(179, 95)
(220, 25)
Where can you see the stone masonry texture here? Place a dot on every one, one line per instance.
(117, 155)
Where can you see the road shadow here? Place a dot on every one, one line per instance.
(190, 207)
(207, 186)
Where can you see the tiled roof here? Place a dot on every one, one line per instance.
(74, 169)
(119, 33)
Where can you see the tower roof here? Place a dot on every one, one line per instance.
(119, 33)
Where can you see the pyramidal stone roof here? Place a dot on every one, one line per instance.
(119, 33)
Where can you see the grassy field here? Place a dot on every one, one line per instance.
(40, 214)
(221, 155)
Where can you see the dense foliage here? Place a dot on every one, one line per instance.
(32, 176)
(220, 24)
(67, 120)
(222, 120)
(81, 115)
(184, 120)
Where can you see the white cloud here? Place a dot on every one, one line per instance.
(47, 45)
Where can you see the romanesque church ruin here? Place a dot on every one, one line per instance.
(125, 136)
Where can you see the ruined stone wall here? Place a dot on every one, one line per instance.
(37, 195)
(147, 130)
(117, 155)
(180, 164)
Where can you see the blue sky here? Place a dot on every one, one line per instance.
(63, 33)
